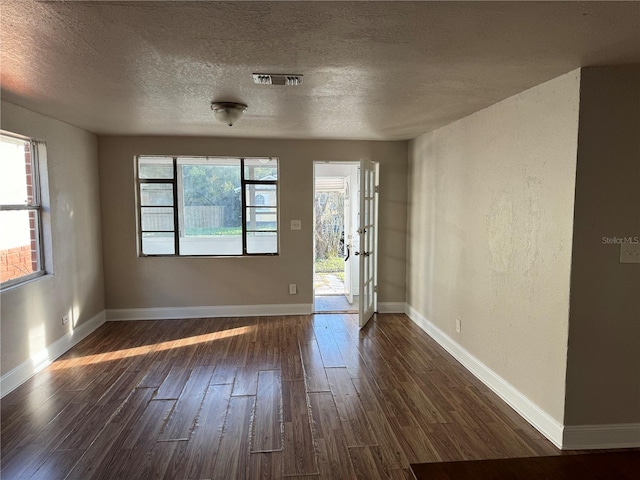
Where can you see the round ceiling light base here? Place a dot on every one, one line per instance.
(228, 112)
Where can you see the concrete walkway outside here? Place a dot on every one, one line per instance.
(328, 284)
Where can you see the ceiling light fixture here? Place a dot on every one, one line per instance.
(228, 112)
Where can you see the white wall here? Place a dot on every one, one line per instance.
(490, 232)
(31, 314)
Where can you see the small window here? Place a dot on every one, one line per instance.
(207, 206)
(20, 210)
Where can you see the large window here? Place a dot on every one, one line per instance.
(20, 210)
(207, 206)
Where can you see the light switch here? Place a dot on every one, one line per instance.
(296, 224)
(630, 253)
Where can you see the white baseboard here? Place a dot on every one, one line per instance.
(621, 435)
(23, 372)
(538, 418)
(391, 307)
(169, 313)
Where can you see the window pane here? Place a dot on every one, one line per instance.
(204, 220)
(261, 195)
(155, 167)
(18, 244)
(259, 218)
(211, 211)
(16, 177)
(229, 161)
(156, 219)
(158, 243)
(262, 242)
(227, 242)
(261, 169)
(211, 197)
(156, 194)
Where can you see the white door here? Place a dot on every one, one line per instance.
(368, 239)
(348, 243)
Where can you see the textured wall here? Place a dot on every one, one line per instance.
(31, 314)
(133, 282)
(490, 229)
(603, 369)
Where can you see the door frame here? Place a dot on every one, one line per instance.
(358, 220)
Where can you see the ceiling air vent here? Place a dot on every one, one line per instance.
(277, 79)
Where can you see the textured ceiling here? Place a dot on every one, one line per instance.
(372, 70)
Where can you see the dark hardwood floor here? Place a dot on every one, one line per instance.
(301, 397)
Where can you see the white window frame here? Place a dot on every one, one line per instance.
(178, 199)
(38, 150)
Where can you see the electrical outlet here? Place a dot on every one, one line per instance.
(65, 319)
(458, 325)
(296, 224)
(293, 289)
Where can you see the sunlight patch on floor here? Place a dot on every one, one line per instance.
(145, 349)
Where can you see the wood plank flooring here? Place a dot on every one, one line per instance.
(296, 397)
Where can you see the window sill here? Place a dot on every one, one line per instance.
(22, 281)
